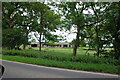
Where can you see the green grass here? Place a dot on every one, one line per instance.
(107, 68)
(62, 57)
(0, 56)
(57, 56)
(66, 51)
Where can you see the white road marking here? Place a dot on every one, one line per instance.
(107, 74)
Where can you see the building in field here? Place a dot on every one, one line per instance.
(64, 44)
(35, 44)
(58, 44)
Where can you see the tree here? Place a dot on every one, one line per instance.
(99, 12)
(113, 26)
(19, 15)
(12, 38)
(8, 22)
(13, 17)
(74, 15)
(26, 19)
(48, 21)
(9, 14)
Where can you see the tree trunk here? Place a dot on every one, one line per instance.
(26, 42)
(76, 42)
(98, 41)
(117, 46)
(24, 46)
(97, 33)
(40, 42)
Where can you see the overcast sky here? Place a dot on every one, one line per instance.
(68, 35)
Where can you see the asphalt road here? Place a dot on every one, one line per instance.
(22, 70)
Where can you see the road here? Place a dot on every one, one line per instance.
(22, 70)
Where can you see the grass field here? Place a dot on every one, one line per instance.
(66, 51)
(62, 57)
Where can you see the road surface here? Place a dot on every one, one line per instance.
(22, 70)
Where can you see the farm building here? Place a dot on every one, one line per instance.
(58, 44)
(64, 44)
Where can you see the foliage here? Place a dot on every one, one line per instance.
(50, 37)
(14, 17)
(48, 22)
(81, 43)
(30, 17)
(12, 38)
(113, 26)
(74, 15)
(33, 40)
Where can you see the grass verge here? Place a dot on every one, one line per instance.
(106, 68)
(51, 55)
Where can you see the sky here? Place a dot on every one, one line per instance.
(68, 35)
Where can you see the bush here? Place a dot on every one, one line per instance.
(13, 37)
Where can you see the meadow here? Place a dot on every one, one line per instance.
(66, 51)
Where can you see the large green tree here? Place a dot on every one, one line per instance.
(18, 15)
(74, 15)
(98, 15)
(47, 21)
(10, 15)
(113, 26)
